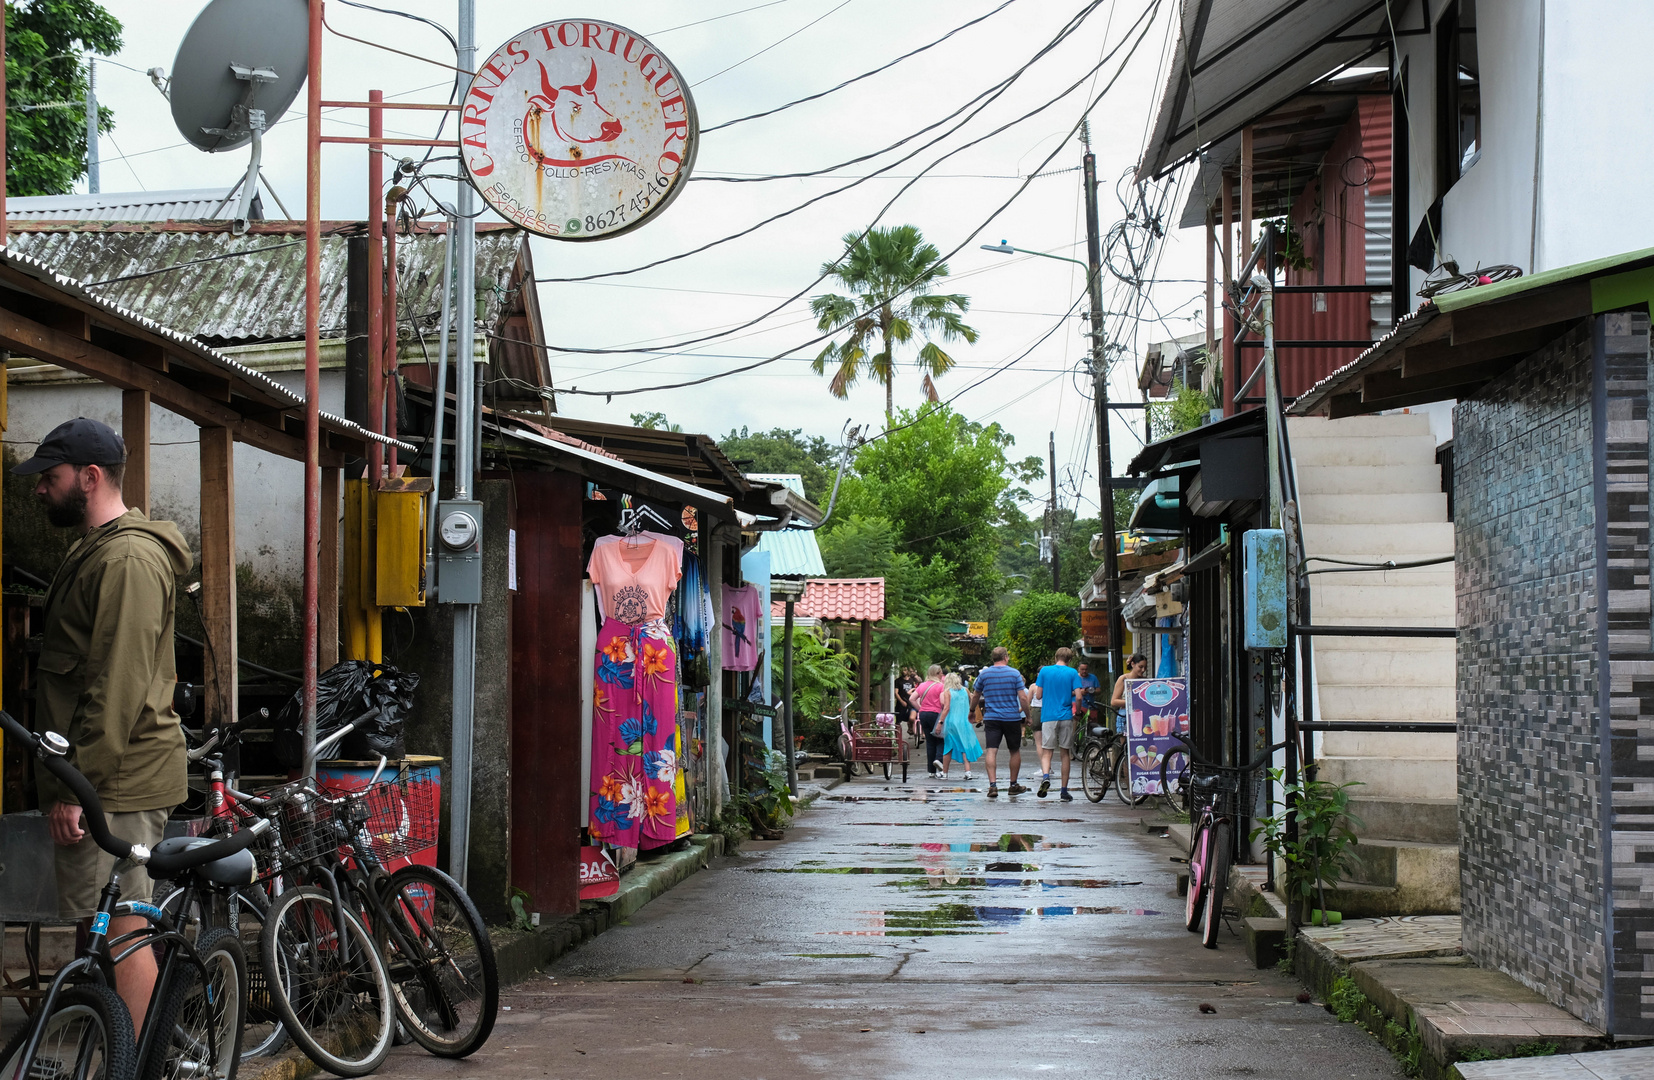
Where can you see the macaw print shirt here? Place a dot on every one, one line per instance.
(743, 624)
(635, 746)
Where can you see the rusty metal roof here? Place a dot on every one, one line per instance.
(253, 385)
(259, 296)
(188, 204)
(854, 599)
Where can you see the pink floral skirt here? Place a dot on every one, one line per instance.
(634, 735)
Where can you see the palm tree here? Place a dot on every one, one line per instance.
(889, 273)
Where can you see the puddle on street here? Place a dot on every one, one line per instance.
(957, 920)
(946, 881)
(836, 955)
(1007, 842)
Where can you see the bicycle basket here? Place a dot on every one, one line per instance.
(1229, 791)
(304, 828)
(393, 818)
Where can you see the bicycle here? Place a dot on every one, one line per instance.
(194, 1022)
(1100, 752)
(1222, 793)
(411, 940)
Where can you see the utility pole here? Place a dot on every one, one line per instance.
(1051, 530)
(92, 185)
(465, 407)
(1099, 384)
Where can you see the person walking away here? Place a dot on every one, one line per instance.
(928, 694)
(1136, 668)
(107, 673)
(1057, 689)
(958, 737)
(904, 696)
(1090, 687)
(1003, 698)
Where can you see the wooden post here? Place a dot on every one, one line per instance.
(1212, 363)
(1246, 193)
(218, 571)
(1226, 348)
(135, 430)
(866, 670)
(327, 572)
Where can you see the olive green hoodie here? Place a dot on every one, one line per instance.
(107, 669)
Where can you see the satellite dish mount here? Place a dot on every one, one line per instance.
(246, 121)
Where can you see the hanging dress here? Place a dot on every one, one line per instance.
(959, 736)
(634, 766)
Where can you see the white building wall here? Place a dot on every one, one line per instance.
(269, 489)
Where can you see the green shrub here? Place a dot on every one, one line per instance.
(1347, 1000)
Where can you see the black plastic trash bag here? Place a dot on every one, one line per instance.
(344, 693)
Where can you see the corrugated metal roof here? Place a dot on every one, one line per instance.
(1238, 59)
(854, 599)
(258, 296)
(791, 481)
(793, 553)
(207, 357)
(186, 204)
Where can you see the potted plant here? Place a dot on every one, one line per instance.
(1320, 853)
(1290, 253)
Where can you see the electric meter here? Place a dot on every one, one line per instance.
(458, 530)
(459, 552)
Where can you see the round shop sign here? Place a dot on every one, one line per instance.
(578, 129)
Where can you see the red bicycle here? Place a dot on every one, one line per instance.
(1216, 795)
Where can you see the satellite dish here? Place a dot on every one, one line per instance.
(238, 69)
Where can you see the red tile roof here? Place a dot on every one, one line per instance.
(852, 599)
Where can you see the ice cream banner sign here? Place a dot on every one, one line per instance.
(578, 129)
(1155, 709)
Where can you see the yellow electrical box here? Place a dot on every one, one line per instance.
(399, 578)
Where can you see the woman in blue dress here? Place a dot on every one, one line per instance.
(959, 738)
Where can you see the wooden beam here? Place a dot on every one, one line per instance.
(1383, 385)
(1246, 169)
(135, 430)
(1541, 307)
(218, 571)
(327, 576)
(1211, 302)
(1433, 356)
(30, 338)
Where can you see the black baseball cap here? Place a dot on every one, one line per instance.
(77, 442)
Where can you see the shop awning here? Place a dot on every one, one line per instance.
(1236, 60)
(1158, 507)
(1451, 347)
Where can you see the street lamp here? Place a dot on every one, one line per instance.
(1004, 248)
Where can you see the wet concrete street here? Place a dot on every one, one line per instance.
(919, 931)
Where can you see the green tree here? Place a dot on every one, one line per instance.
(783, 450)
(889, 274)
(938, 479)
(865, 547)
(820, 673)
(654, 421)
(46, 43)
(1036, 626)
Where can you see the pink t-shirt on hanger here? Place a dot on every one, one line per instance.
(635, 575)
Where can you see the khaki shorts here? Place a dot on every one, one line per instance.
(83, 868)
(1057, 735)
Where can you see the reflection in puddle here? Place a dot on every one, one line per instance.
(954, 920)
(1025, 842)
(945, 881)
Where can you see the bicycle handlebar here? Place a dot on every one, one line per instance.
(1196, 757)
(51, 750)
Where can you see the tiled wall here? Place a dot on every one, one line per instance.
(1631, 669)
(1530, 745)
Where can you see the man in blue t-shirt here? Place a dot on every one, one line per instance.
(1089, 686)
(1002, 696)
(1058, 689)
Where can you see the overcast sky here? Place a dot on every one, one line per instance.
(741, 57)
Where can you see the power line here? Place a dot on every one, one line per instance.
(715, 18)
(767, 48)
(858, 78)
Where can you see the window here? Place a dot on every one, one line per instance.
(1458, 94)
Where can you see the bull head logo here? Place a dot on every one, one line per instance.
(577, 118)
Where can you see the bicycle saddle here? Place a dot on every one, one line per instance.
(233, 870)
(1213, 782)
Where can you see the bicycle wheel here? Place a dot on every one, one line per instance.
(328, 982)
(1200, 857)
(1219, 887)
(1096, 772)
(446, 984)
(1175, 793)
(1122, 782)
(243, 911)
(88, 1036)
(198, 1023)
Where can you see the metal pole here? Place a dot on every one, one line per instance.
(1272, 405)
(1099, 384)
(787, 698)
(92, 185)
(312, 379)
(1056, 559)
(439, 397)
(376, 289)
(392, 358)
(465, 615)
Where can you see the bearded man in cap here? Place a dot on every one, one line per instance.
(106, 677)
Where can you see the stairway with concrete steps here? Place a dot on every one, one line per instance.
(1370, 491)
